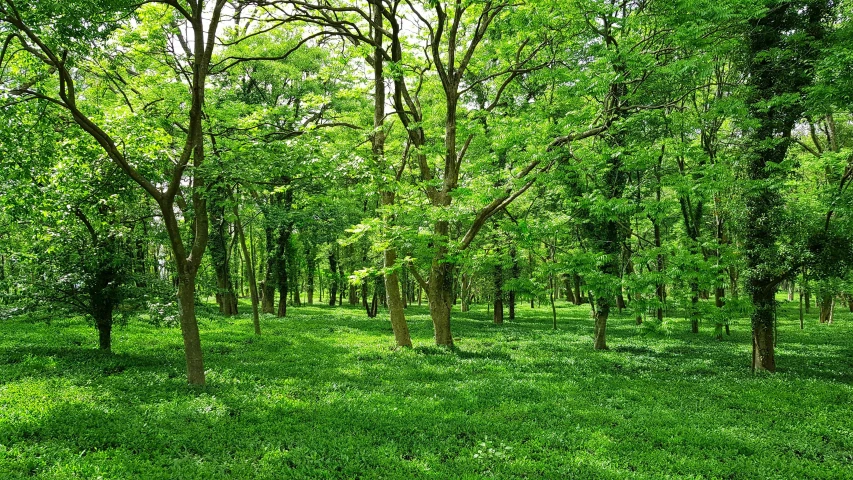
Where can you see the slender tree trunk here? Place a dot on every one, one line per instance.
(311, 269)
(281, 269)
(466, 292)
(268, 285)
(498, 316)
(333, 281)
(808, 299)
(220, 258)
(802, 325)
(250, 270)
(719, 302)
(514, 276)
(600, 314)
(579, 299)
(343, 279)
(553, 307)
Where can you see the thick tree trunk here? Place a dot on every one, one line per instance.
(395, 301)
(570, 294)
(189, 328)
(103, 313)
(763, 353)
(105, 335)
(353, 295)
(441, 291)
(827, 304)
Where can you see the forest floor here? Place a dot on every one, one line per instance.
(322, 394)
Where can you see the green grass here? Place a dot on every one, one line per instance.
(323, 395)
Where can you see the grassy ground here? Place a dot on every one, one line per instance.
(322, 395)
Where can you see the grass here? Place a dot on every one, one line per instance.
(323, 395)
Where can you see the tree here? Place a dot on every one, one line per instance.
(88, 45)
(780, 57)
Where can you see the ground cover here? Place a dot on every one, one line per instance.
(322, 394)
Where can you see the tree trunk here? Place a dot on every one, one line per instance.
(353, 295)
(333, 280)
(105, 335)
(498, 316)
(395, 301)
(763, 353)
(719, 302)
(268, 285)
(103, 313)
(579, 299)
(311, 268)
(466, 292)
(441, 291)
(250, 270)
(827, 304)
(808, 300)
(189, 328)
(220, 258)
(602, 311)
(514, 276)
(281, 269)
(570, 295)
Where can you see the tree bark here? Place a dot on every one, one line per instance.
(250, 270)
(189, 328)
(441, 290)
(220, 258)
(827, 304)
(281, 269)
(333, 280)
(311, 269)
(600, 314)
(395, 301)
(268, 285)
(498, 315)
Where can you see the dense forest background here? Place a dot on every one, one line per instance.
(683, 159)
